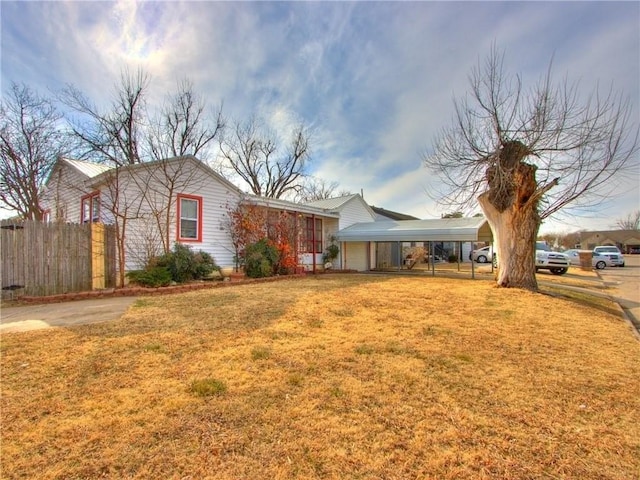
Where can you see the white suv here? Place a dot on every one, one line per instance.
(556, 263)
(612, 253)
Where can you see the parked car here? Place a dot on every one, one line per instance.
(546, 259)
(613, 253)
(598, 261)
(482, 255)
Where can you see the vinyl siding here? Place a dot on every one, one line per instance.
(63, 193)
(355, 211)
(145, 233)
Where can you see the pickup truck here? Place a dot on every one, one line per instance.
(556, 263)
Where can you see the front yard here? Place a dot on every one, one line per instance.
(335, 376)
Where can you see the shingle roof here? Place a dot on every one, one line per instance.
(391, 214)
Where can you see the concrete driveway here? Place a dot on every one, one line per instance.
(33, 317)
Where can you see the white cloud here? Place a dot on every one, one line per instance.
(373, 81)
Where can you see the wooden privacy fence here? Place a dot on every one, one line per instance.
(52, 258)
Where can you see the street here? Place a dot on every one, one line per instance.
(624, 284)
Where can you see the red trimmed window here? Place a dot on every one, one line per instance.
(189, 218)
(313, 235)
(90, 208)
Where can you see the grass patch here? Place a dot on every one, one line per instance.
(260, 353)
(442, 386)
(208, 387)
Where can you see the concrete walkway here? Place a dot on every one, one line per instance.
(33, 317)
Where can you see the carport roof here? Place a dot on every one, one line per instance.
(433, 230)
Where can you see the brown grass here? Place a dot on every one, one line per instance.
(338, 376)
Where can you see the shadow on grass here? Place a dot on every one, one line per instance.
(238, 308)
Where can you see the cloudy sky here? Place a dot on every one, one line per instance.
(374, 81)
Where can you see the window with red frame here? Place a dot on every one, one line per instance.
(189, 218)
(90, 208)
(310, 235)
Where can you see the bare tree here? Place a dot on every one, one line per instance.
(114, 135)
(631, 222)
(253, 154)
(526, 154)
(314, 188)
(184, 127)
(30, 141)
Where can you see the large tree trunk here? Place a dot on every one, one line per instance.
(511, 208)
(515, 233)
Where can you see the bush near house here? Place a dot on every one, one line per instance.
(261, 259)
(180, 265)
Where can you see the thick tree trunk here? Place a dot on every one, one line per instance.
(511, 208)
(515, 233)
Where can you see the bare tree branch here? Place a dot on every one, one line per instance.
(115, 135)
(184, 127)
(254, 155)
(31, 139)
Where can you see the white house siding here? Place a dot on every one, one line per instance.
(355, 255)
(355, 211)
(143, 237)
(64, 191)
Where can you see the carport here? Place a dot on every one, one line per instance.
(360, 242)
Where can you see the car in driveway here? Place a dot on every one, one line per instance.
(613, 253)
(597, 261)
(482, 255)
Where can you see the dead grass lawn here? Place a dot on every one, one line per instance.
(333, 377)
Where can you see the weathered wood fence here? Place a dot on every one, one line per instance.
(40, 259)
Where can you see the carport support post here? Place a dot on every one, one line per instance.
(473, 270)
(432, 256)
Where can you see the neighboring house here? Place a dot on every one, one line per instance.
(182, 200)
(627, 241)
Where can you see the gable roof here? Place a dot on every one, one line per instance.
(391, 214)
(90, 169)
(290, 206)
(184, 158)
(438, 230)
(87, 169)
(334, 203)
(337, 204)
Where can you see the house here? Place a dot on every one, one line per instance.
(183, 200)
(627, 241)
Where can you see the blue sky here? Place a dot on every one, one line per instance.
(374, 81)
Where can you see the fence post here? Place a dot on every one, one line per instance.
(97, 256)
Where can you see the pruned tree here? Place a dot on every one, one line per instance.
(31, 139)
(254, 154)
(524, 154)
(630, 222)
